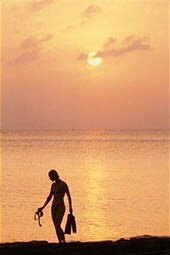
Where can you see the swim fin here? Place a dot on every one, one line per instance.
(70, 224)
(73, 224)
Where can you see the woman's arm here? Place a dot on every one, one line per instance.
(69, 199)
(48, 199)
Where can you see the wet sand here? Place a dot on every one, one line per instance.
(146, 245)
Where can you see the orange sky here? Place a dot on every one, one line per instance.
(47, 82)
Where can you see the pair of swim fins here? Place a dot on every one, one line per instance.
(70, 224)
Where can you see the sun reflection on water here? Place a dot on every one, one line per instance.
(94, 183)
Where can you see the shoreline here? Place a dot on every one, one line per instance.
(143, 245)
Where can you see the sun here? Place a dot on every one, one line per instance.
(93, 59)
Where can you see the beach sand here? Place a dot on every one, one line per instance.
(145, 245)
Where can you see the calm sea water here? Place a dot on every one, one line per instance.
(118, 182)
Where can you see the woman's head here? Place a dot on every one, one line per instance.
(53, 175)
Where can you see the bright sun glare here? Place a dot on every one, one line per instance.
(93, 59)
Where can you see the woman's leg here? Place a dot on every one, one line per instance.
(57, 216)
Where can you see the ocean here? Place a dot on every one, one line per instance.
(118, 179)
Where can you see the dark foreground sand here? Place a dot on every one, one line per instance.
(134, 246)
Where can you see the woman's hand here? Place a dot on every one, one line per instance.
(40, 209)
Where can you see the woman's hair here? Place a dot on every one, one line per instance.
(53, 173)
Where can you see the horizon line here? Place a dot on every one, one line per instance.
(86, 129)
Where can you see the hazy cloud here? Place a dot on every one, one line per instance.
(29, 43)
(37, 6)
(90, 12)
(87, 15)
(26, 57)
(33, 42)
(109, 43)
(30, 49)
(111, 48)
(48, 37)
(130, 43)
(83, 56)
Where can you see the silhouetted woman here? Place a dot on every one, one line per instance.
(58, 190)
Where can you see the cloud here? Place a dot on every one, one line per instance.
(89, 13)
(111, 48)
(109, 43)
(48, 37)
(26, 57)
(30, 49)
(33, 42)
(37, 6)
(83, 56)
(129, 44)
(91, 10)
(29, 43)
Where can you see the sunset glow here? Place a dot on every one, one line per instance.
(108, 55)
